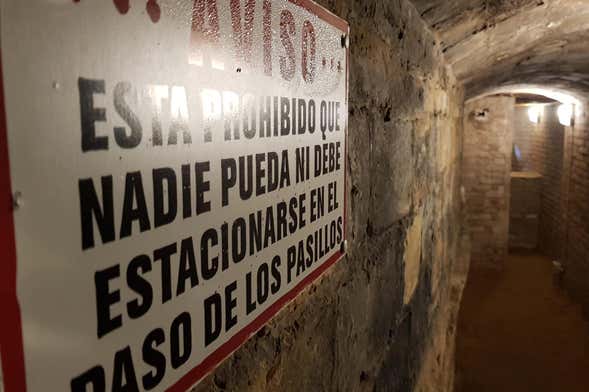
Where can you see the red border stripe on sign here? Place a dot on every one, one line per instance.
(211, 362)
(11, 342)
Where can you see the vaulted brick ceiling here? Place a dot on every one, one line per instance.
(493, 43)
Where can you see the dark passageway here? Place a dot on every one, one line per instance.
(518, 331)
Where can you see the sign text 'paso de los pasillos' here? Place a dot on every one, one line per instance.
(192, 160)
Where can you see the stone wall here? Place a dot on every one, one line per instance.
(383, 319)
(488, 124)
(542, 150)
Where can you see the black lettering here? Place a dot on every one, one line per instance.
(89, 114)
(179, 125)
(292, 212)
(338, 156)
(291, 261)
(202, 186)
(178, 358)
(136, 282)
(323, 118)
(311, 121)
(246, 184)
(301, 260)
(281, 223)
(255, 227)
(265, 116)
(134, 193)
(310, 248)
(317, 171)
(212, 307)
(94, 377)
(164, 255)
(105, 299)
(250, 304)
(162, 217)
(275, 286)
(272, 171)
(238, 240)
(293, 125)
(187, 269)
(230, 305)
(263, 283)
(284, 116)
(91, 207)
(275, 116)
(228, 179)
(260, 174)
(302, 114)
(249, 123)
(208, 271)
(224, 246)
(153, 357)
(186, 199)
(270, 232)
(122, 107)
(284, 170)
(300, 164)
(124, 379)
(302, 210)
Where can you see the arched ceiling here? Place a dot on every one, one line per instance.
(495, 43)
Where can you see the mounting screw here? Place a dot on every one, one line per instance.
(345, 41)
(344, 246)
(17, 200)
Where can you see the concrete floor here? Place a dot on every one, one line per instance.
(518, 331)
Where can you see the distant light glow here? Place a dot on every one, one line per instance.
(534, 113)
(565, 114)
(562, 96)
(518, 152)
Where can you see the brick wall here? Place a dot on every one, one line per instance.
(488, 124)
(561, 155)
(542, 150)
(577, 210)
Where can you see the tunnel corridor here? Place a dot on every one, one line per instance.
(519, 328)
(522, 325)
(519, 331)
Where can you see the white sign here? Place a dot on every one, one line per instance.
(177, 176)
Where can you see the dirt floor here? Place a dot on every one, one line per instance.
(518, 331)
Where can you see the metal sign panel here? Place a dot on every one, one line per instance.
(173, 173)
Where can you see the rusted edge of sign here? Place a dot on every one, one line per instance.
(323, 13)
(210, 363)
(11, 339)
